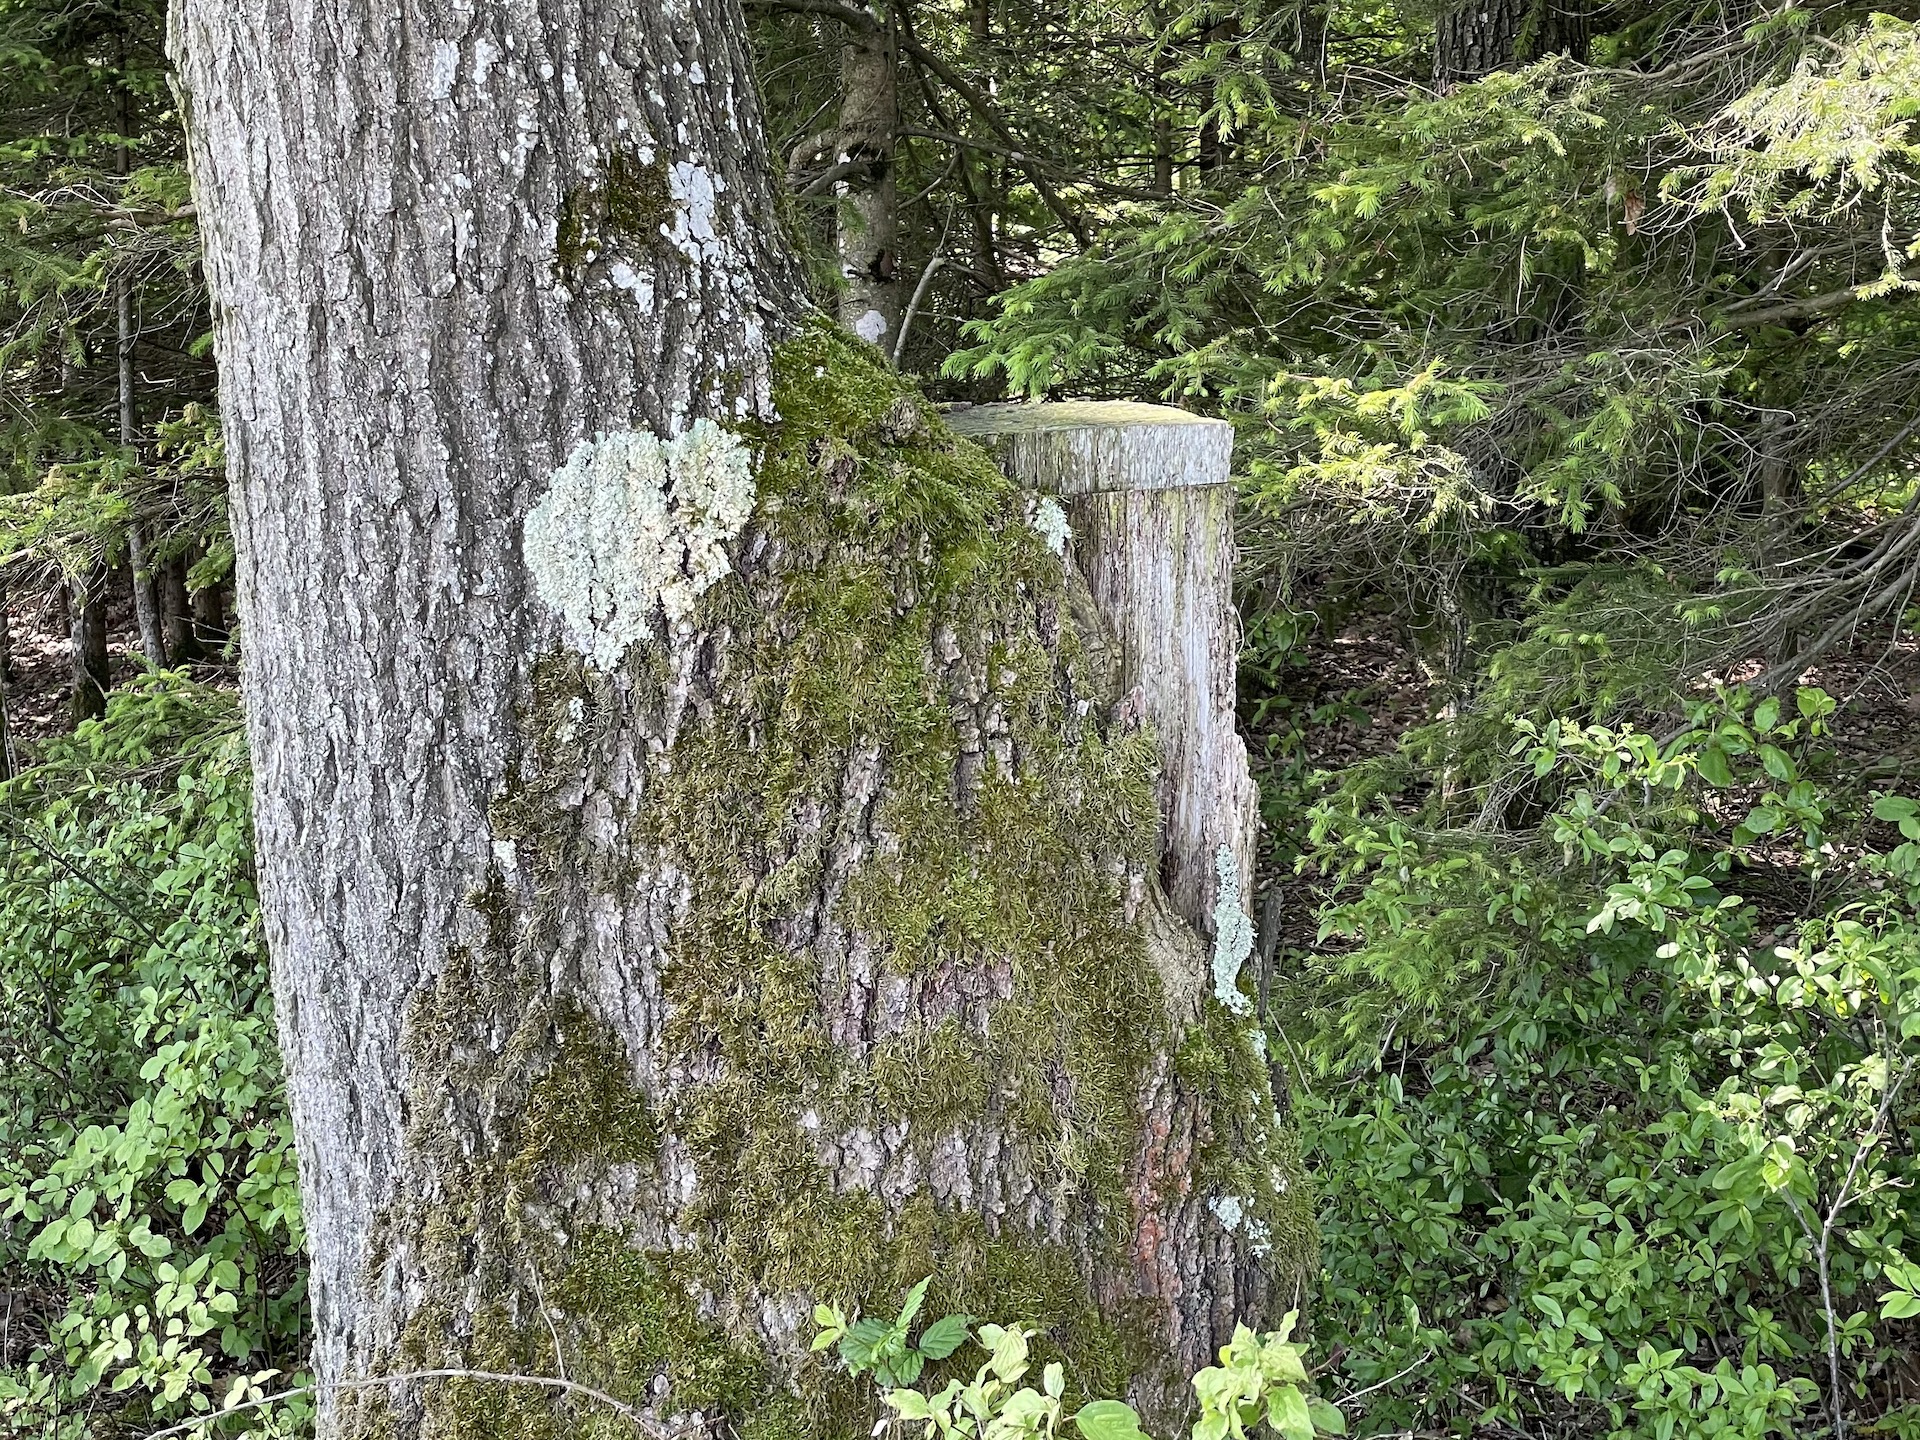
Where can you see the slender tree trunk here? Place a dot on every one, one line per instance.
(146, 601)
(1213, 147)
(146, 608)
(177, 611)
(1163, 107)
(867, 214)
(649, 963)
(208, 609)
(87, 643)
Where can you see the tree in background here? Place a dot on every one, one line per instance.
(110, 446)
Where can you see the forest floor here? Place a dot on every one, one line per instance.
(39, 673)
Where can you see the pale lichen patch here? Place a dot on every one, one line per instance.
(1049, 521)
(634, 528)
(1232, 934)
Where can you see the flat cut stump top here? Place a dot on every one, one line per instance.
(1084, 447)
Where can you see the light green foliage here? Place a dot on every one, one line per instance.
(1835, 134)
(1613, 310)
(1261, 1380)
(149, 1215)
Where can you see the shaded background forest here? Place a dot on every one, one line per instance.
(1576, 373)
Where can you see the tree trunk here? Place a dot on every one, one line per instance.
(87, 643)
(1213, 149)
(176, 608)
(867, 212)
(208, 609)
(146, 606)
(652, 962)
(146, 599)
(1482, 36)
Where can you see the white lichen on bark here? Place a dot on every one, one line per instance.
(1232, 934)
(1230, 1212)
(634, 528)
(1049, 519)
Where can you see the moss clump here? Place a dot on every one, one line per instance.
(630, 202)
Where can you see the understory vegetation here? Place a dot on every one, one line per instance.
(1577, 398)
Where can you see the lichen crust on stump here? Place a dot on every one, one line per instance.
(875, 981)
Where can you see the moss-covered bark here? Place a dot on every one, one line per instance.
(892, 991)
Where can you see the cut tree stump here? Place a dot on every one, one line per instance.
(1149, 502)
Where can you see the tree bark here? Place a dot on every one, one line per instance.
(87, 643)
(208, 611)
(1483, 36)
(867, 212)
(176, 608)
(648, 968)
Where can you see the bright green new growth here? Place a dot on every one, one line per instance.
(1261, 1379)
(901, 609)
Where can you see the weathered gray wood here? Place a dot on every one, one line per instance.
(1150, 508)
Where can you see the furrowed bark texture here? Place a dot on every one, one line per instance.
(1482, 36)
(809, 946)
(433, 235)
(866, 213)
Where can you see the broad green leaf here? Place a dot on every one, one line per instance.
(1327, 1418)
(1899, 1305)
(911, 1404)
(1287, 1412)
(1107, 1420)
(1714, 768)
(944, 1336)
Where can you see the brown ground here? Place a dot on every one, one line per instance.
(39, 675)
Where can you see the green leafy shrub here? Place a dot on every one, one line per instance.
(1261, 1380)
(149, 1216)
(1610, 1108)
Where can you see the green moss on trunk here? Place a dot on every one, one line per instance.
(899, 620)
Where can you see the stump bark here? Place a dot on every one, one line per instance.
(1148, 497)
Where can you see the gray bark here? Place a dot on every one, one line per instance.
(405, 356)
(866, 215)
(444, 249)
